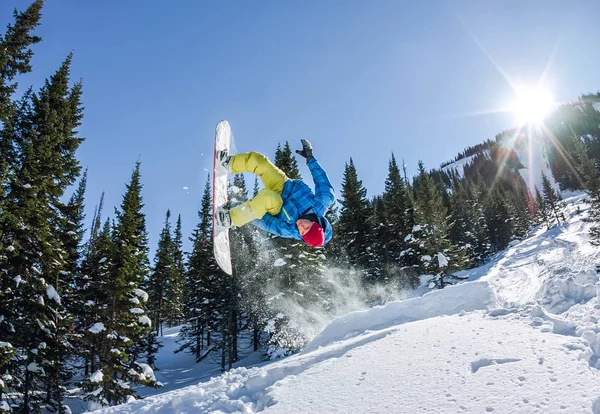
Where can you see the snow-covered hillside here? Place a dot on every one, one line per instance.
(522, 335)
(459, 166)
(532, 154)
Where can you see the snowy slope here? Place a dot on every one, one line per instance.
(459, 166)
(532, 154)
(522, 336)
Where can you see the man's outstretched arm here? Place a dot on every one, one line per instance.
(323, 189)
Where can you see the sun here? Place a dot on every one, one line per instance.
(533, 105)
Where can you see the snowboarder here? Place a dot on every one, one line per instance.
(285, 207)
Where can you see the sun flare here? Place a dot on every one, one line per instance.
(533, 105)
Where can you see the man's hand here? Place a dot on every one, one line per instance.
(307, 151)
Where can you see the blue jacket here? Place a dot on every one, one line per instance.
(297, 199)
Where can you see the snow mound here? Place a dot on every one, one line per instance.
(559, 295)
(452, 300)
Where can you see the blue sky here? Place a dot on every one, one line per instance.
(358, 78)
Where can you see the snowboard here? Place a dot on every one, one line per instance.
(222, 250)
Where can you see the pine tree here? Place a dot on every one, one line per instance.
(354, 228)
(286, 161)
(399, 215)
(521, 206)
(380, 240)
(430, 236)
(72, 227)
(178, 286)
(552, 200)
(123, 326)
(202, 284)
(15, 58)
(497, 215)
(469, 230)
(97, 271)
(480, 233)
(42, 164)
(587, 170)
(460, 227)
(543, 216)
(70, 232)
(89, 288)
(256, 187)
(96, 225)
(16, 54)
(161, 278)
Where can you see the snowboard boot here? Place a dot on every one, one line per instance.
(222, 217)
(223, 159)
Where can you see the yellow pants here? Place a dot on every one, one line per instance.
(268, 200)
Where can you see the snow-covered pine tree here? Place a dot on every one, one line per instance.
(399, 212)
(587, 170)
(96, 289)
(482, 247)
(553, 201)
(430, 236)
(380, 241)
(468, 228)
(70, 231)
(542, 214)
(161, 277)
(132, 265)
(124, 323)
(58, 114)
(96, 226)
(201, 291)
(15, 55)
(89, 289)
(497, 215)
(175, 311)
(354, 229)
(461, 233)
(520, 205)
(35, 180)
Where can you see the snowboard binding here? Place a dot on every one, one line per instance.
(222, 217)
(223, 159)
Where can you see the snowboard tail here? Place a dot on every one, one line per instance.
(222, 250)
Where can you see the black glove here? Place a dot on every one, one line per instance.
(306, 150)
